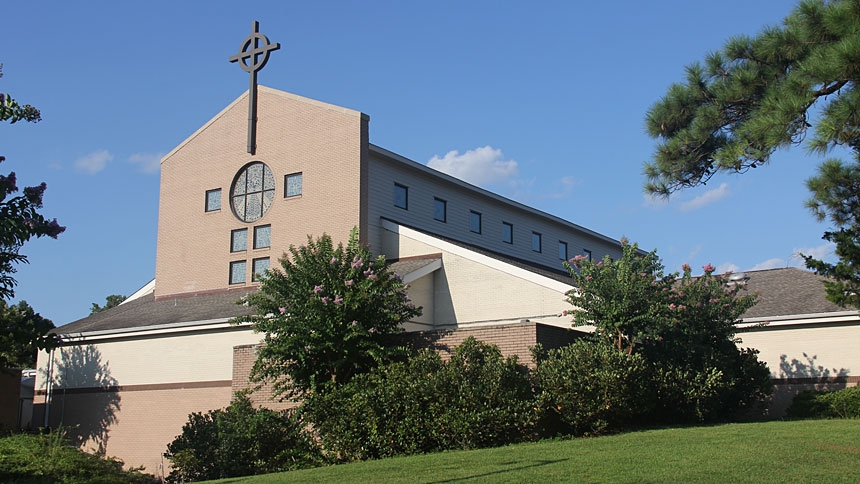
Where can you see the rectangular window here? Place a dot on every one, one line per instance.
(239, 240)
(440, 209)
(536, 241)
(237, 272)
(475, 221)
(401, 196)
(260, 267)
(507, 233)
(262, 236)
(586, 253)
(562, 250)
(292, 185)
(213, 200)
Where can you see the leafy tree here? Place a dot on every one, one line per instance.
(19, 217)
(836, 194)
(683, 326)
(111, 301)
(327, 314)
(759, 94)
(23, 332)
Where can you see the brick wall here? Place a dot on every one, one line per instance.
(512, 339)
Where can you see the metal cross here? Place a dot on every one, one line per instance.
(251, 58)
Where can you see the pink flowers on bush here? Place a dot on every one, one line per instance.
(318, 289)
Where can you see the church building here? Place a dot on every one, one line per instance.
(273, 168)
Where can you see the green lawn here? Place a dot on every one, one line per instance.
(773, 452)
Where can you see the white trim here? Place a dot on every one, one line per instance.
(143, 291)
(801, 319)
(423, 271)
(476, 257)
(154, 330)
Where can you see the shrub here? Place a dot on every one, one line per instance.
(240, 440)
(590, 387)
(477, 399)
(50, 459)
(843, 403)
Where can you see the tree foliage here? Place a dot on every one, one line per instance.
(476, 399)
(328, 314)
(759, 94)
(240, 440)
(111, 301)
(683, 326)
(23, 332)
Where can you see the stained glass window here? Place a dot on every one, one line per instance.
(213, 200)
(260, 266)
(237, 272)
(293, 185)
(253, 191)
(262, 236)
(239, 240)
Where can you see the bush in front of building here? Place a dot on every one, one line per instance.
(240, 440)
(843, 403)
(476, 399)
(590, 387)
(51, 458)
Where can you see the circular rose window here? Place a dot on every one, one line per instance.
(252, 192)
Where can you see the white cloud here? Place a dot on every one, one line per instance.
(94, 162)
(147, 162)
(727, 267)
(480, 166)
(654, 201)
(565, 189)
(706, 198)
(822, 252)
(694, 252)
(774, 263)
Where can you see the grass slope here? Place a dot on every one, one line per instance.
(772, 452)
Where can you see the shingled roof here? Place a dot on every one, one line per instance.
(147, 311)
(788, 291)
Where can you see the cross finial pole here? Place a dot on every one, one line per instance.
(251, 58)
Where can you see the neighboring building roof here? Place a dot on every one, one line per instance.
(788, 291)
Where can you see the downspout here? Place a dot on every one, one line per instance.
(49, 384)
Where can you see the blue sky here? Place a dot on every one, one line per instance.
(542, 102)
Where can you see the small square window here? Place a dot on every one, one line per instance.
(507, 233)
(237, 272)
(475, 222)
(536, 245)
(239, 240)
(586, 253)
(401, 196)
(562, 250)
(260, 267)
(440, 210)
(262, 236)
(213, 200)
(292, 185)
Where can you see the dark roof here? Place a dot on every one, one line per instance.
(788, 291)
(147, 311)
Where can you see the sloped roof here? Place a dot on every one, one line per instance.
(788, 291)
(148, 311)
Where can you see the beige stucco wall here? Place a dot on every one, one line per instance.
(472, 289)
(130, 396)
(807, 351)
(325, 143)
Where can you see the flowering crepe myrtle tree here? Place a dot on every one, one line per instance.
(327, 314)
(683, 326)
